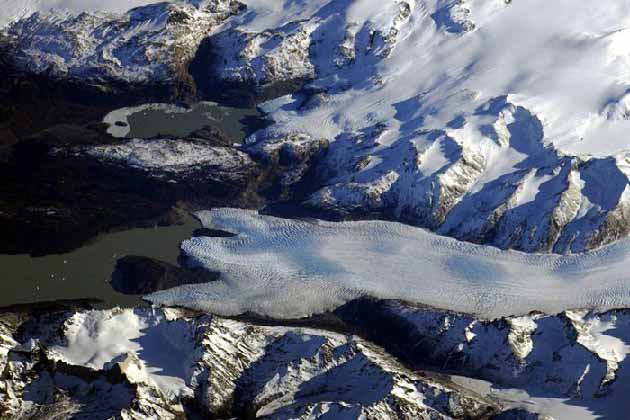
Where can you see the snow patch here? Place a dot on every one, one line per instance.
(161, 348)
(170, 155)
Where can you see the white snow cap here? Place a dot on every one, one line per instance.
(11, 10)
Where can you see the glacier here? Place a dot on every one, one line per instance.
(497, 127)
(285, 268)
(566, 63)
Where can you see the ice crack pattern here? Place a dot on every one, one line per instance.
(292, 268)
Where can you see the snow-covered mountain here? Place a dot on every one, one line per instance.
(490, 121)
(168, 363)
(165, 363)
(12, 11)
(487, 121)
(150, 45)
(570, 366)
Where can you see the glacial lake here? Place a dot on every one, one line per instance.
(171, 120)
(86, 272)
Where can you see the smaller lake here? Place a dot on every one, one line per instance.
(86, 272)
(169, 120)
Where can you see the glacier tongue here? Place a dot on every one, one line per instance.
(290, 268)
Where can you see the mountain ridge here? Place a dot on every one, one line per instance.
(495, 167)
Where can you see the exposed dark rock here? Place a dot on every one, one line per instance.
(245, 94)
(53, 200)
(212, 233)
(175, 217)
(141, 275)
(51, 205)
(234, 94)
(213, 135)
(364, 314)
(33, 309)
(30, 103)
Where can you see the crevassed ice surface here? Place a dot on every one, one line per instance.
(291, 268)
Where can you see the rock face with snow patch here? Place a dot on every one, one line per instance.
(162, 363)
(430, 114)
(577, 354)
(263, 61)
(147, 46)
(176, 156)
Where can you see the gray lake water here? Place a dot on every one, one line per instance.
(164, 120)
(86, 272)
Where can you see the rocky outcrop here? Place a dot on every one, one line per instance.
(147, 46)
(576, 354)
(137, 275)
(61, 363)
(66, 185)
(178, 157)
(269, 62)
(293, 160)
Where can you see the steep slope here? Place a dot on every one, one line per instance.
(149, 45)
(161, 363)
(434, 116)
(437, 119)
(573, 361)
(170, 363)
